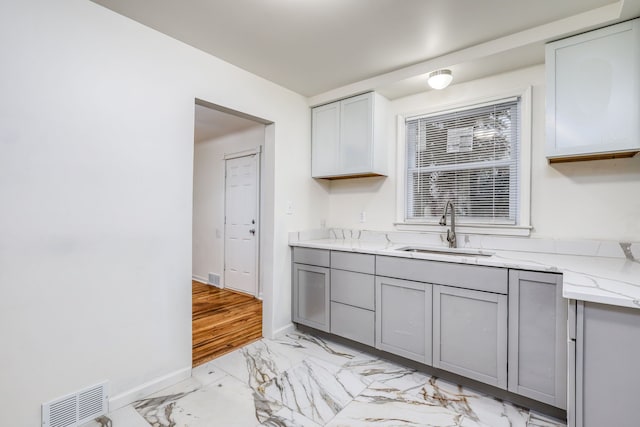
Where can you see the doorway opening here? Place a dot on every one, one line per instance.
(227, 288)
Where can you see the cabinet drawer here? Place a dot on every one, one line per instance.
(489, 279)
(361, 263)
(351, 288)
(309, 256)
(354, 323)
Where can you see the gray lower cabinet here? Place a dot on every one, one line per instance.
(604, 385)
(403, 318)
(538, 337)
(470, 334)
(353, 303)
(472, 320)
(311, 288)
(311, 296)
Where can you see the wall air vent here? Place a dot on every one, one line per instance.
(76, 408)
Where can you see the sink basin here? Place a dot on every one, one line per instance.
(445, 251)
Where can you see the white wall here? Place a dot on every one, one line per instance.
(208, 197)
(590, 200)
(96, 173)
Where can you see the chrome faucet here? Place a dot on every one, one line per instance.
(451, 232)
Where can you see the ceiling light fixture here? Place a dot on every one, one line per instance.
(439, 79)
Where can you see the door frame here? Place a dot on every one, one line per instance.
(267, 236)
(256, 151)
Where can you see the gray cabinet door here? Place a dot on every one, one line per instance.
(311, 288)
(607, 374)
(538, 337)
(470, 334)
(356, 134)
(403, 318)
(325, 140)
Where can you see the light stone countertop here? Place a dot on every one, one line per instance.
(601, 279)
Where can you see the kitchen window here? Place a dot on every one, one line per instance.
(470, 155)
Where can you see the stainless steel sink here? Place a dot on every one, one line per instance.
(445, 251)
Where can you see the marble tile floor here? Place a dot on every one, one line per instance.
(302, 380)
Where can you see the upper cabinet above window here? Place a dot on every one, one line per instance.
(348, 138)
(593, 94)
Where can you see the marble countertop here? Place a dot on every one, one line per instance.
(607, 280)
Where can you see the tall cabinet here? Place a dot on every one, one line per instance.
(348, 138)
(604, 378)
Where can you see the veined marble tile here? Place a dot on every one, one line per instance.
(285, 417)
(258, 363)
(381, 405)
(123, 417)
(383, 371)
(226, 402)
(318, 347)
(207, 373)
(446, 406)
(631, 251)
(316, 389)
(478, 409)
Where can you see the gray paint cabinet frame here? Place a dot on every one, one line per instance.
(403, 318)
(473, 342)
(605, 386)
(311, 292)
(538, 337)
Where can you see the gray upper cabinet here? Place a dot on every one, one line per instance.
(403, 318)
(604, 386)
(538, 337)
(311, 288)
(470, 334)
(348, 138)
(593, 94)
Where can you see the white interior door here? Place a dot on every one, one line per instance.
(241, 224)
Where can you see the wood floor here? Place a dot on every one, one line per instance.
(223, 320)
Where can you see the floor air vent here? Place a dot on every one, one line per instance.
(214, 279)
(77, 408)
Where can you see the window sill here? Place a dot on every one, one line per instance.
(490, 229)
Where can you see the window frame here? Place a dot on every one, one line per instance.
(523, 223)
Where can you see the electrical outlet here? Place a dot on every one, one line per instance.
(289, 207)
(363, 216)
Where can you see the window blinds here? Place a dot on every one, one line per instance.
(468, 156)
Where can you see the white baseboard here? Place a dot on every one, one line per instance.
(150, 387)
(284, 330)
(199, 279)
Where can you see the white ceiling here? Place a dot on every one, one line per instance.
(211, 123)
(323, 48)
